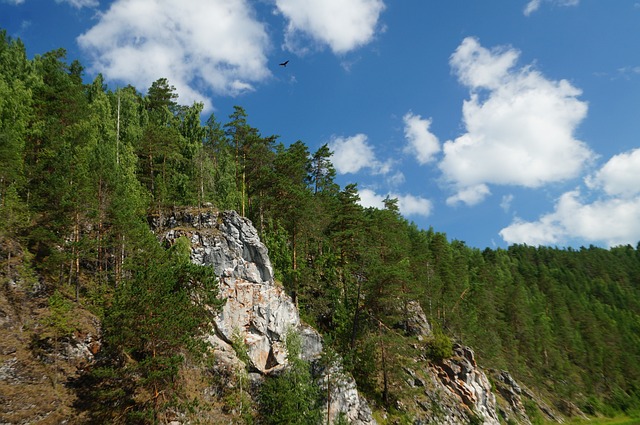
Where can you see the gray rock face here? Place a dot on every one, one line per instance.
(257, 312)
(342, 397)
(512, 393)
(461, 376)
(450, 391)
(416, 323)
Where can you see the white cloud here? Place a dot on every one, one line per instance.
(471, 195)
(477, 67)
(612, 221)
(369, 198)
(343, 25)
(519, 125)
(201, 45)
(352, 154)
(422, 143)
(80, 3)
(74, 3)
(396, 179)
(546, 231)
(505, 204)
(409, 205)
(414, 205)
(620, 176)
(534, 5)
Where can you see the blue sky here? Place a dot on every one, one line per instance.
(495, 121)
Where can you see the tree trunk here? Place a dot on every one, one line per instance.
(385, 372)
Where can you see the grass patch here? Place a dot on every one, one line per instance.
(618, 420)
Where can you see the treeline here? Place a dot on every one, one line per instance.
(83, 166)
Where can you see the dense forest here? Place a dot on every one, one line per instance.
(83, 167)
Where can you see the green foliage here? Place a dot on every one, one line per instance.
(533, 413)
(60, 320)
(439, 347)
(240, 347)
(14, 213)
(155, 318)
(291, 397)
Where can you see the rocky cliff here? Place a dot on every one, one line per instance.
(258, 313)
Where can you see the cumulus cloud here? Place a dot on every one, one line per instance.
(202, 45)
(620, 176)
(409, 205)
(369, 198)
(612, 221)
(353, 154)
(421, 142)
(471, 195)
(343, 25)
(519, 126)
(534, 5)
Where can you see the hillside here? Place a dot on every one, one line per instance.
(103, 323)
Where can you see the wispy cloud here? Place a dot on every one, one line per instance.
(519, 126)
(78, 4)
(505, 204)
(343, 25)
(534, 5)
(202, 45)
(74, 3)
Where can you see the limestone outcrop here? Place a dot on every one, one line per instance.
(258, 313)
(462, 378)
(453, 390)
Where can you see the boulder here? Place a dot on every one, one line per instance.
(416, 323)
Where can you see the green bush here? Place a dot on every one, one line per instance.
(292, 397)
(439, 347)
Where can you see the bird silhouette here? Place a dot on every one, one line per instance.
(284, 63)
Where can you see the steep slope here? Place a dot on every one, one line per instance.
(45, 348)
(258, 314)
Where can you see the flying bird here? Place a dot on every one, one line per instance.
(284, 63)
